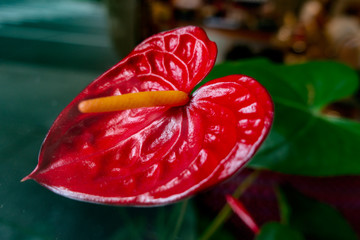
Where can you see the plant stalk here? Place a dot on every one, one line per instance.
(225, 212)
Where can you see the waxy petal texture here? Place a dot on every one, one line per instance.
(156, 155)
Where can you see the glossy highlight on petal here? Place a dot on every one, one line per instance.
(157, 154)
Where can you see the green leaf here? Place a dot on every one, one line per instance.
(278, 231)
(303, 140)
(316, 220)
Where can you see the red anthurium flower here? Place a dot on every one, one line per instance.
(160, 154)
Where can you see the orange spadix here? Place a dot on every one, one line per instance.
(134, 100)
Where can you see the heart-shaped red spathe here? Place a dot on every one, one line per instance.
(156, 155)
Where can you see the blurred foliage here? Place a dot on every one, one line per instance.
(313, 219)
(278, 231)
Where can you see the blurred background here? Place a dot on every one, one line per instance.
(50, 50)
(96, 34)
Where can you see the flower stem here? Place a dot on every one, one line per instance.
(225, 212)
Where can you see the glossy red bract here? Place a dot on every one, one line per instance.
(156, 155)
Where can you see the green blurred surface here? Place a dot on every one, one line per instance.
(31, 97)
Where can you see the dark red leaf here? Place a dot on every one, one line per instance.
(156, 155)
